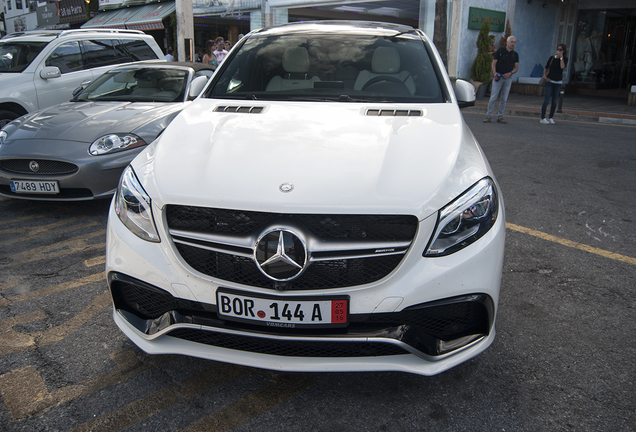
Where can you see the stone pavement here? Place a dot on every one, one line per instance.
(575, 107)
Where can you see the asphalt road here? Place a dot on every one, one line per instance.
(564, 358)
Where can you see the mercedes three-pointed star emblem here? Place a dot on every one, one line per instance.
(281, 255)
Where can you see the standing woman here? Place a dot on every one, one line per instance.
(209, 57)
(553, 76)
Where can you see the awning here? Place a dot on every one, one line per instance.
(119, 20)
(100, 19)
(149, 17)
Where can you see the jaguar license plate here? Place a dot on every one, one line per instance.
(40, 187)
(289, 312)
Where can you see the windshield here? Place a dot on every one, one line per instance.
(16, 56)
(341, 67)
(138, 85)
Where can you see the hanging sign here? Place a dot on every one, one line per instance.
(477, 15)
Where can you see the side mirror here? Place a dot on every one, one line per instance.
(49, 72)
(196, 86)
(465, 93)
(81, 88)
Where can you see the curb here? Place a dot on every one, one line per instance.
(569, 114)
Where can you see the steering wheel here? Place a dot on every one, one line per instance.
(382, 78)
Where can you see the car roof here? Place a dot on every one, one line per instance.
(49, 35)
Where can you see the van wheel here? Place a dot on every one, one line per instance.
(7, 117)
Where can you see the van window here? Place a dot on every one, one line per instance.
(101, 52)
(67, 57)
(139, 50)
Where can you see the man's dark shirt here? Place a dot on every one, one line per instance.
(505, 60)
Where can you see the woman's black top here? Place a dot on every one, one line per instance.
(555, 73)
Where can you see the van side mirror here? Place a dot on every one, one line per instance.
(465, 93)
(49, 72)
(196, 86)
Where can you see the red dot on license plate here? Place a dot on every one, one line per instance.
(260, 314)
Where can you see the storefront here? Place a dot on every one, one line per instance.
(604, 51)
(150, 16)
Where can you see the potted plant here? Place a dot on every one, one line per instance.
(481, 70)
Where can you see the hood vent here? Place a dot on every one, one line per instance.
(393, 113)
(240, 109)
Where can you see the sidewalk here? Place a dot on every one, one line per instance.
(575, 107)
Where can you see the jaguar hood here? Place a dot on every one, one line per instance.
(87, 121)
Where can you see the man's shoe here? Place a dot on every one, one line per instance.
(552, 121)
(487, 120)
(544, 121)
(501, 120)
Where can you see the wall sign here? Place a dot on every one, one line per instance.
(477, 15)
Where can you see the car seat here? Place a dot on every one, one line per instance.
(296, 65)
(385, 62)
(146, 86)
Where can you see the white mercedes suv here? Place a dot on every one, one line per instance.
(42, 68)
(322, 206)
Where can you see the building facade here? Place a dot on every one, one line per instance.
(600, 34)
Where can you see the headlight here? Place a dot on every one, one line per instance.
(132, 205)
(465, 220)
(3, 136)
(114, 143)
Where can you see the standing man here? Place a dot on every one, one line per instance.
(504, 64)
(169, 55)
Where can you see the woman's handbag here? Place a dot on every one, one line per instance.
(542, 80)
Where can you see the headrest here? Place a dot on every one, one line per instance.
(145, 81)
(386, 60)
(296, 59)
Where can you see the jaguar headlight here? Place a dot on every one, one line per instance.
(133, 206)
(465, 220)
(115, 143)
(3, 136)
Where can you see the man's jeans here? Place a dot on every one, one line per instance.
(502, 86)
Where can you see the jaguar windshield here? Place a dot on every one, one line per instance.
(342, 67)
(137, 85)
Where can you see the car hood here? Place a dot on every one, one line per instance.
(336, 155)
(87, 121)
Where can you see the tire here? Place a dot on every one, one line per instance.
(7, 116)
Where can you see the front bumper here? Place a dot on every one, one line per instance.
(427, 316)
(79, 175)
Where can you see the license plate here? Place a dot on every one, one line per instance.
(286, 312)
(28, 186)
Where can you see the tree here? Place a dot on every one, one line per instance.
(481, 70)
(439, 34)
(507, 34)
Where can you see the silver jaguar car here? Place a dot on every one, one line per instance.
(77, 150)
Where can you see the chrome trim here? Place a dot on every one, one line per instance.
(398, 343)
(336, 250)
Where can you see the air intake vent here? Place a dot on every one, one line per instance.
(240, 109)
(394, 113)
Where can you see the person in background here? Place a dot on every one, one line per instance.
(209, 57)
(553, 75)
(219, 51)
(504, 64)
(169, 54)
(228, 46)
